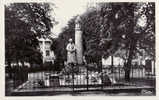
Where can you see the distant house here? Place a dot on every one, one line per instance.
(145, 60)
(116, 61)
(47, 53)
(119, 54)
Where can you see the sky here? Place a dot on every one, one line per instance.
(65, 10)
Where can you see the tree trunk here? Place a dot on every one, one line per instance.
(132, 44)
(9, 69)
(129, 61)
(99, 64)
(22, 64)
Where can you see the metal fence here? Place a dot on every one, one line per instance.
(80, 77)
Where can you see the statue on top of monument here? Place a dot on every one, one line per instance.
(78, 22)
(71, 52)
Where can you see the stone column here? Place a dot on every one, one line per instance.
(78, 41)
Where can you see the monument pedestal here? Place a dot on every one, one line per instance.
(78, 41)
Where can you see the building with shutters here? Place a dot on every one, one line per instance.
(47, 53)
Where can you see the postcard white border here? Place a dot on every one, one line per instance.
(2, 59)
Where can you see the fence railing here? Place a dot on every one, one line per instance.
(77, 77)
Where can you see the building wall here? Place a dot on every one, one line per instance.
(47, 53)
(120, 61)
(116, 61)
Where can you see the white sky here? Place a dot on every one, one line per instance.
(65, 10)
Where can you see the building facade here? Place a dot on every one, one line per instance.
(47, 53)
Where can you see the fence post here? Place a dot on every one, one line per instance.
(102, 77)
(132, 70)
(72, 65)
(119, 72)
(87, 76)
(14, 79)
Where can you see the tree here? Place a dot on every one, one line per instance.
(110, 27)
(60, 43)
(121, 20)
(58, 48)
(24, 23)
(133, 42)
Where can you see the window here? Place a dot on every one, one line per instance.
(40, 43)
(47, 44)
(47, 53)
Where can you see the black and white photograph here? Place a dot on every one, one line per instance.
(74, 48)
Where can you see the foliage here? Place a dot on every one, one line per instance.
(24, 23)
(60, 43)
(110, 27)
